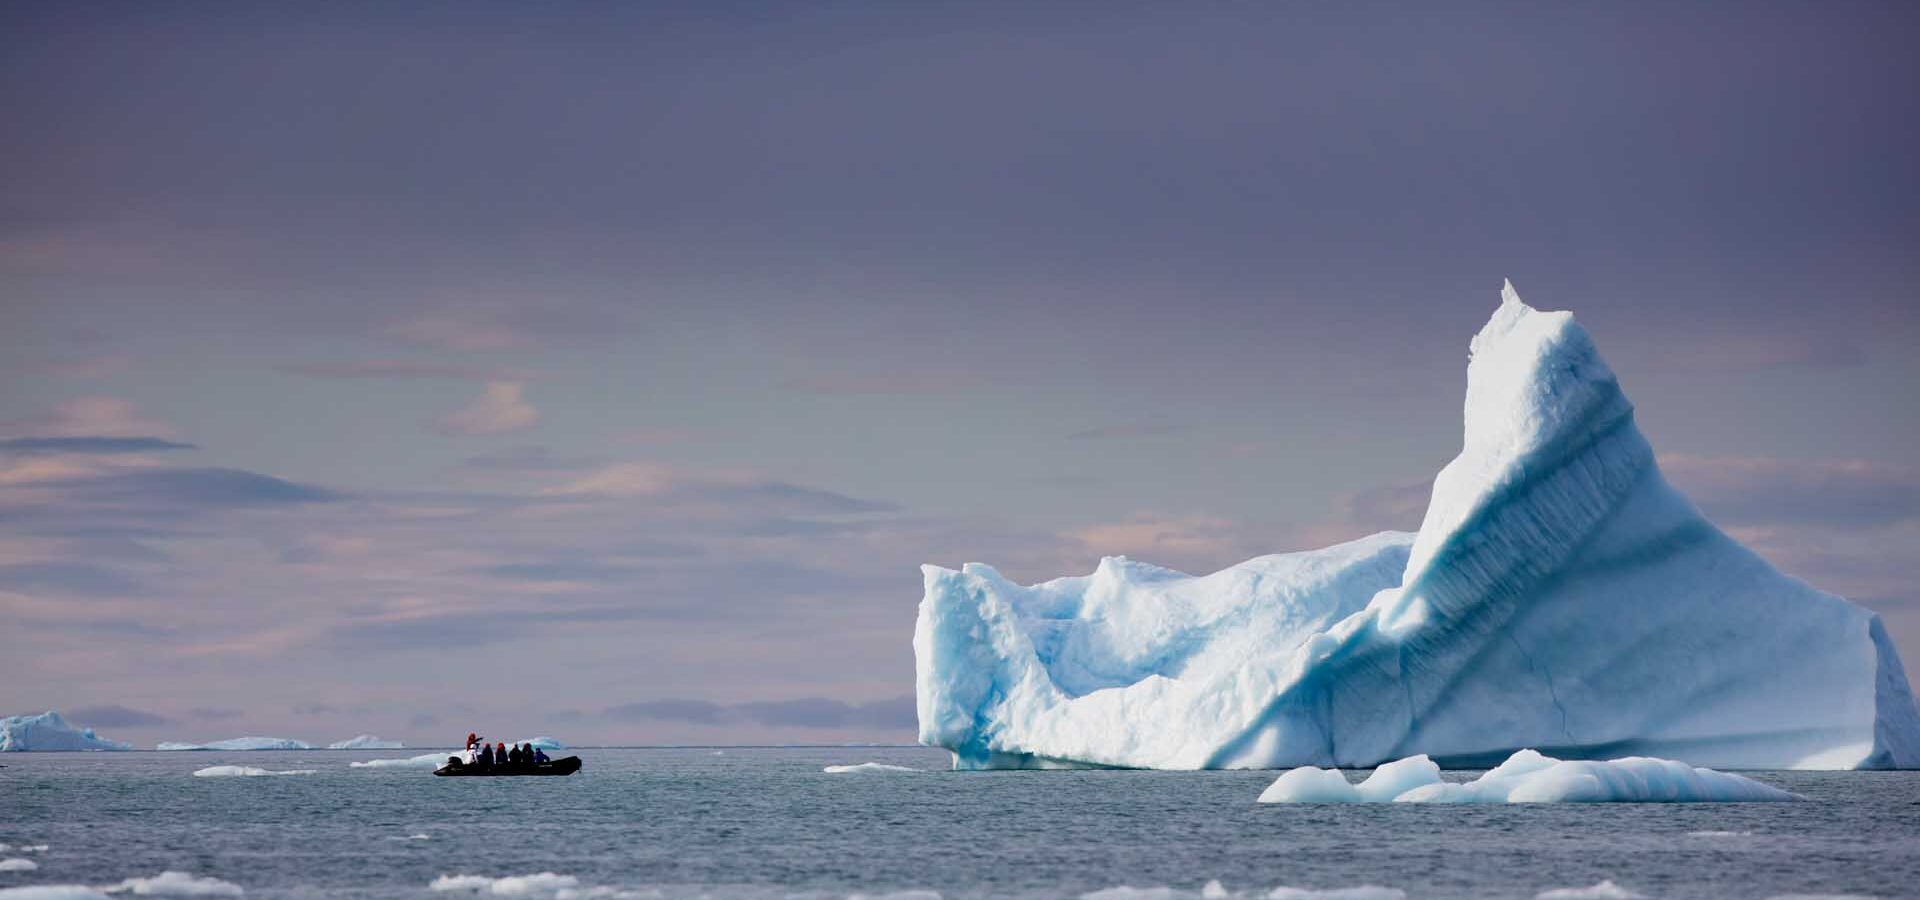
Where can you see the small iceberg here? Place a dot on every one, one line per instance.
(867, 768)
(541, 743)
(18, 864)
(366, 742)
(245, 772)
(423, 761)
(48, 732)
(1527, 777)
(239, 743)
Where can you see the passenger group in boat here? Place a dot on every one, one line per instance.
(483, 755)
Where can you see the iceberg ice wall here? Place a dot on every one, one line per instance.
(1560, 595)
(50, 731)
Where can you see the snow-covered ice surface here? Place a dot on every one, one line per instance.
(246, 772)
(366, 742)
(1527, 777)
(49, 731)
(1559, 595)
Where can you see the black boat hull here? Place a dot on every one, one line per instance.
(566, 765)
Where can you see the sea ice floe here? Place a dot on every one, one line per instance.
(541, 884)
(176, 884)
(867, 768)
(1361, 892)
(245, 771)
(423, 761)
(1605, 890)
(1527, 777)
(166, 884)
(52, 892)
(18, 864)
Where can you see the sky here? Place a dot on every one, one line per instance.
(607, 370)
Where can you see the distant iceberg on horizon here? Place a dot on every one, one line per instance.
(1559, 595)
(48, 732)
(366, 742)
(239, 743)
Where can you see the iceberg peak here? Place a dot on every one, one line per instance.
(1559, 595)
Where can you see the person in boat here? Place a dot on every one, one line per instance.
(486, 756)
(514, 758)
(526, 754)
(500, 754)
(539, 755)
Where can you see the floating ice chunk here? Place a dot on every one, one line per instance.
(1362, 892)
(1559, 593)
(541, 743)
(542, 884)
(18, 864)
(867, 768)
(366, 742)
(1124, 892)
(1527, 777)
(1310, 784)
(423, 761)
(52, 892)
(1605, 890)
(910, 894)
(239, 743)
(176, 884)
(49, 732)
(245, 772)
(1214, 890)
(1398, 777)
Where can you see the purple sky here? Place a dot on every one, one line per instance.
(607, 370)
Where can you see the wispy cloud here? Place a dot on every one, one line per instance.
(807, 712)
(94, 444)
(92, 417)
(1122, 430)
(500, 409)
(403, 369)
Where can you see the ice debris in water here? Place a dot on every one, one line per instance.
(166, 884)
(1605, 890)
(365, 742)
(867, 768)
(542, 885)
(1527, 777)
(1362, 892)
(49, 731)
(245, 772)
(239, 743)
(177, 884)
(18, 864)
(1558, 594)
(423, 761)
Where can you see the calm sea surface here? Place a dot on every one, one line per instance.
(764, 823)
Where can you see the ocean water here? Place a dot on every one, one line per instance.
(766, 823)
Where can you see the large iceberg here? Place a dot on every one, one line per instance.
(239, 743)
(50, 731)
(1559, 595)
